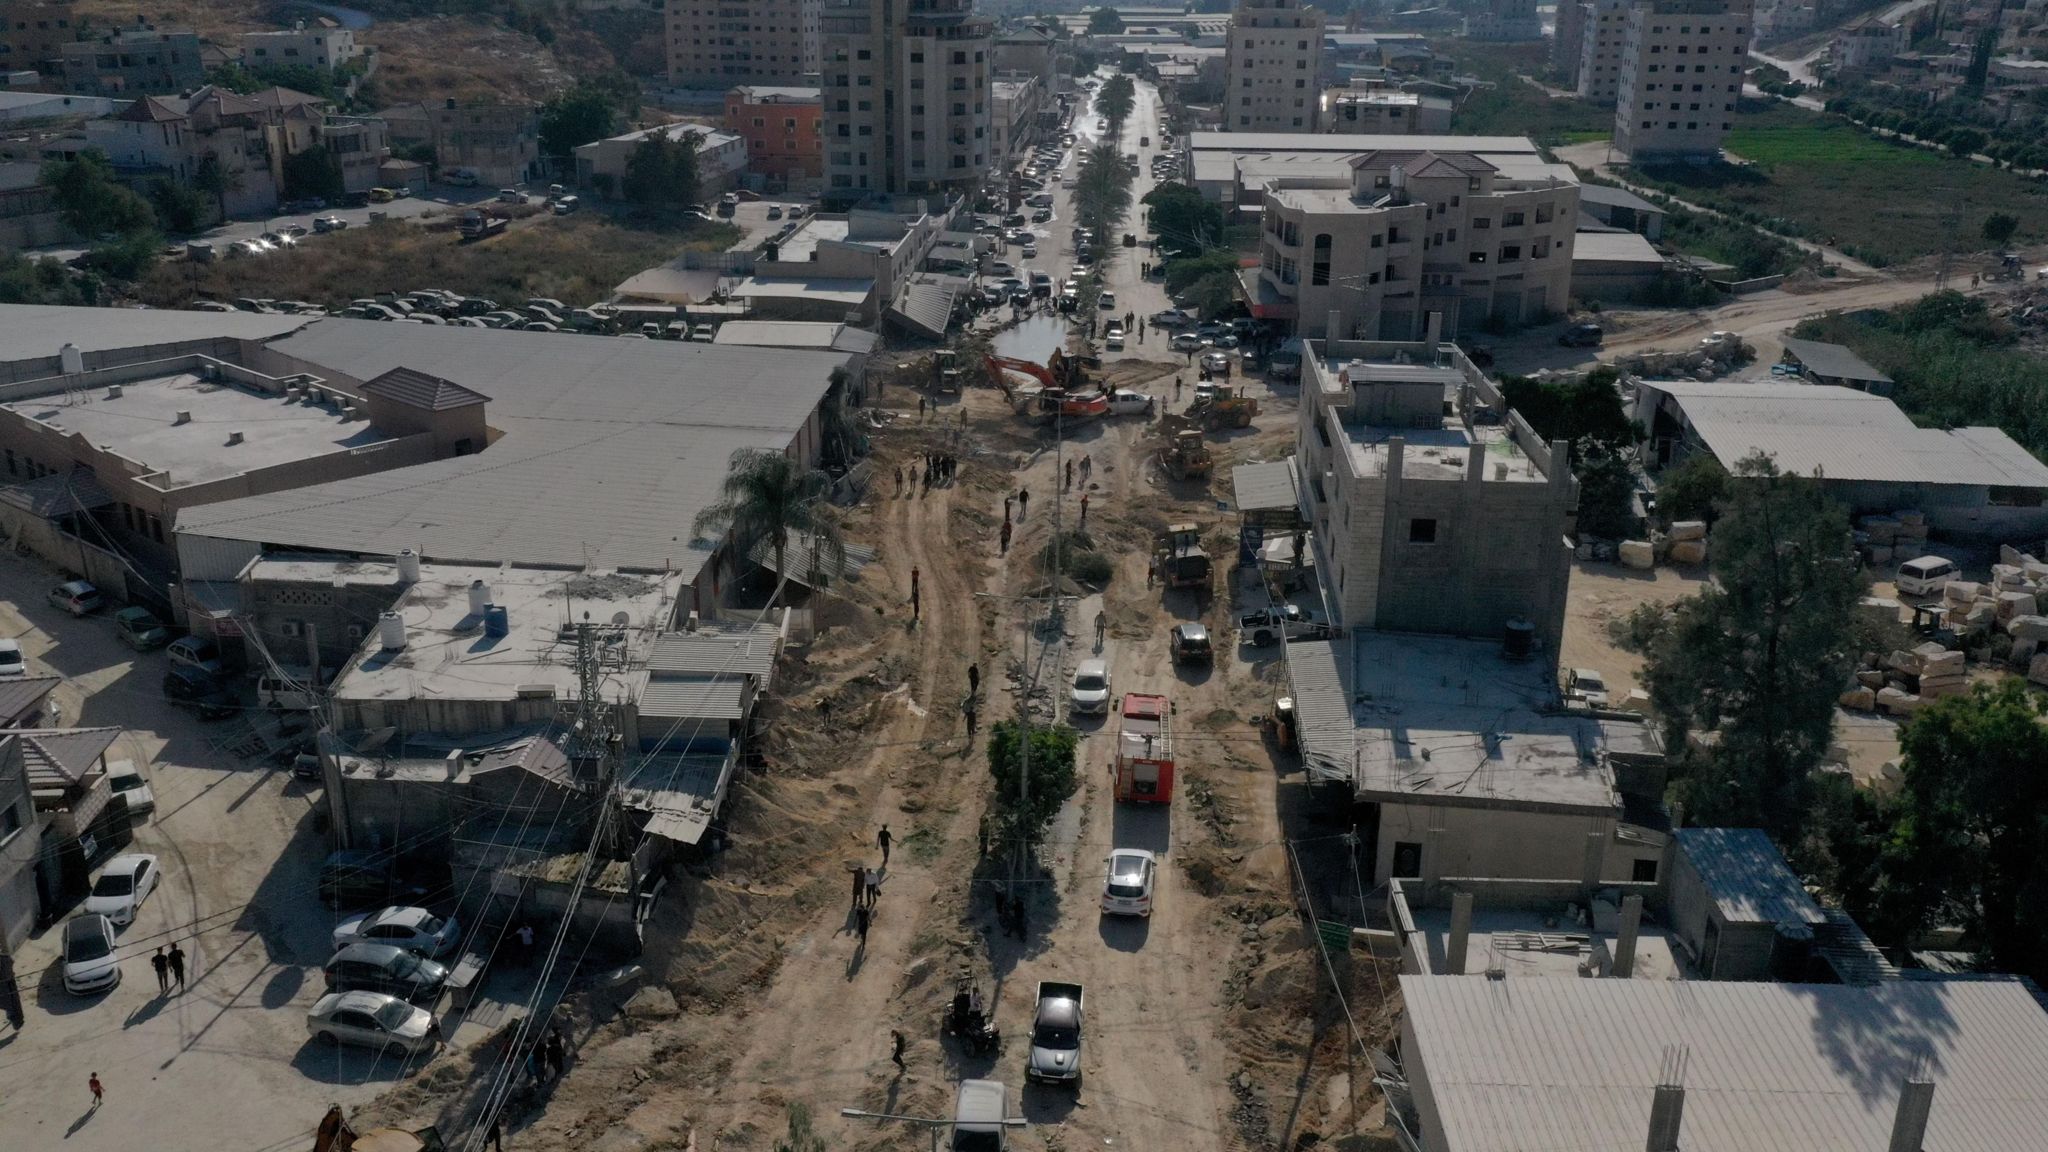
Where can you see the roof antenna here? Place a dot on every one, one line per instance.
(1667, 1108)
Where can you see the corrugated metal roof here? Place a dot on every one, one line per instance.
(1613, 197)
(682, 699)
(18, 696)
(1267, 486)
(31, 331)
(679, 794)
(1824, 359)
(422, 391)
(610, 448)
(1316, 670)
(926, 307)
(60, 757)
(1843, 434)
(717, 652)
(1614, 248)
(803, 565)
(1545, 1065)
(1747, 876)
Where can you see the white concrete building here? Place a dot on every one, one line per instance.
(1681, 76)
(907, 97)
(1504, 20)
(1384, 112)
(1013, 124)
(724, 43)
(1273, 65)
(1603, 32)
(316, 47)
(1415, 233)
(721, 157)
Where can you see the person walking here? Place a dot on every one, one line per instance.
(1176, 388)
(973, 679)
(896, 1043)
(914, 616)
(1070, 475)
(1006, 538)
(861, 919)
(558, 1051)
(1084, 511)
(177, 960)
(899, 479)
(874, 888)
(883, 839)
(860, 882)
(1101, 627)
(913, 581)
(920, 409)
(99, 1091)
(162, 964)
(1006, 507)
(496, 1135)
(1023, 502)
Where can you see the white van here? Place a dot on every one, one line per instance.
(1928, 574)
(566, 205)
(287, 688)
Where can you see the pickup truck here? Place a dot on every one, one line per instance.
(1268, 624)
(1056, 1035)
(478, 224)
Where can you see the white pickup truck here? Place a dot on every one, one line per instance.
(1266, 625)
(1056, 1035)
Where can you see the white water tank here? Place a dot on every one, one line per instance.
(409, 567)
(70, 359)
(391, 631)
(479, 597)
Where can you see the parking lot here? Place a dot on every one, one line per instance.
(239, 843)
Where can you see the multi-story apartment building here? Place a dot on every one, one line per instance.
(1681, 75)
(1384, 112)
(1272, 62)
(1603, 33)
(720, 43)
(1415, 234)
(500, 143)
(33, 35)
(907, 96)
(784, 131)
(1013, 123)
(1504, 20)
(134, 61)
(317, 47)
(1566, 42)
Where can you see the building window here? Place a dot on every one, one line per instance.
(1319, 268)
(1422, 530)
(1407, 860)
(1509, 253)
(1643, 872)
(1478, 258)
(1486, 221)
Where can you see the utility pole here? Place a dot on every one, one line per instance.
(592, 744)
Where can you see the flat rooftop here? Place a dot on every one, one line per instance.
(1439, 719)
(330, 570)
(1550, 943)
(183, 427)
(448, 656)
(1441, 453)
(798, 244)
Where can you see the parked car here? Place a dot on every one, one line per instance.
(122, 886)
(1126, 402)
(1056, 1035)
(1266, 625)
(1582, 336)
(196, 652)
(1127, 886)
(1172, 318)
(775, 211)
(77, 597)
(1586, 686)
(1925, 575)
(980, 1112)
(329, 224)
(1187, 342)
(90, 963)
(372, 1020)
(128, 782)
(703, 333)
(1216, 361)
(1189, 644)
(369, 967)
(13, 666)
(203, 693)
(1113, 340)
(1089, 693)
(415, 929)
(1029, 250)
(511, 196)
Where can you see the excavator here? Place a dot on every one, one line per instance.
(1184, 455)
(1057, 393)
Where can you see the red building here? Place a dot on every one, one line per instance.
(784, 131)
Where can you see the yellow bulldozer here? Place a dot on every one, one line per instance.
(1184, 455)
(1220, 406)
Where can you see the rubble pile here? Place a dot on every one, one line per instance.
(1899, 683)
(1711, 359)
(1885, 540)
(2015, 601)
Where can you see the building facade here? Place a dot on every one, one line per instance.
(721, 157)
(33, 35)
(1566, 41)
(20, 847)
(500, 143)
(1273, 66)
(1013, 124)
(719, 43)
(1681, 76)
(317, 47)
(1501, 21)
(1380, 112)
(1603, 31)
(1415, 234)
(134, 61)
(907, 97)
(784, 132)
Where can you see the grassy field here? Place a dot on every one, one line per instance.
(577, 260)
(1515, 107)
(1819, 178)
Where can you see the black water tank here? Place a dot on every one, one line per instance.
(1518, 640)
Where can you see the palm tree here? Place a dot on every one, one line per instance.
(766, 497)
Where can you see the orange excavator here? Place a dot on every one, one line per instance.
(1053, 396)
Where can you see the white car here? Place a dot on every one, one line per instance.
(1127, 889)
(1588, 686)
(12, 664)
(414, 929)
(1125, 402)
(1114, 341)
(1028, 251)
(1089, 694)
(1187, 342)
(372, 1020)
(123, 885)
(128, 782)
(1106, 301)
(90, 963)
(1172, 318)
(1216, 361)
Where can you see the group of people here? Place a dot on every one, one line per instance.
(170, 966)
(1012, 914)
(1087, 470)
(549, 1056)
(867, 887)
(939, 468)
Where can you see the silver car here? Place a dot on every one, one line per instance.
(1090, 692)
(373, 1020)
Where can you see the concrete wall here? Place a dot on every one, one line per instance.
(55, 546)
(1474, 841)
(1741, 952)
(336, 619)
(18, 848)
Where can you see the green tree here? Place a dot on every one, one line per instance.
(1102, 195)
(1607, 484)
(587, 112)
(126, 257)
(662, 172)
(802, 1137)
(1183, 220)
(1963, 141)
(1970, 842)
(89, 200)
(1105, 22)
(212, 179)
(1999, 227)
(1115, 100)
(179, 208)
(768, 497)
(1693, 489)
(1021, 821)
(1586, 410)
(42, 281)
(1757, 658)
(314, 172)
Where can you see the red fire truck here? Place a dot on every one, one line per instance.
(1143, 769)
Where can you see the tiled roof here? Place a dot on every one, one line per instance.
(419, 390)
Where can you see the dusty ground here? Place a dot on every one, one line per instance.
(1603, 593)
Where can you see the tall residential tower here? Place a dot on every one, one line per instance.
(907, 96)
(725, 43)
(1681, 76)
(1275, 51)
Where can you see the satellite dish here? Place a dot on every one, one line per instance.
(621, 619)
